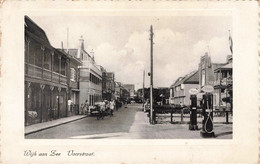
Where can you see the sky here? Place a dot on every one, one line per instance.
(121, 43)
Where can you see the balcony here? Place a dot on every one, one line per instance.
(47, 74)
(33, 71)
(44, 74)
(223, 82)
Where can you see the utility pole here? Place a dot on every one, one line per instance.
(151, 77)
(143, 86)
(67, 40)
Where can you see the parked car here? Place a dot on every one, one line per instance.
(94, 110)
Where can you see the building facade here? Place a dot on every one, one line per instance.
(90, 75)
(74, 92)
(219, 76)
(46, 77)
(179, 91)
(118, 90)
(131, 89)
(110, 85)
(223, 86)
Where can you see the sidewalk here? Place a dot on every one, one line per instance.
(142, 129)
(46, 125)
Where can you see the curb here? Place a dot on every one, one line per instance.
(53, 126)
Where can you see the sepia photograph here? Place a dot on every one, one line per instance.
(130, 77)
(124, 82)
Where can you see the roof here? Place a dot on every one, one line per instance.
(73, 52)
(176, 81)
(191, 78)
(36, 30)
(72, 57)
(228, 66)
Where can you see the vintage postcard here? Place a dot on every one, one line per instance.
(129, 82)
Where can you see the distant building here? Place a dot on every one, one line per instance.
(179, 91)
(104, 83)
(90, 75)
(118, 90)
(110, 83)
(131, 89)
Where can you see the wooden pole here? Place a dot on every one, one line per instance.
(143, 86)
(151, 77)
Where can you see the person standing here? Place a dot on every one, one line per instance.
(116, 105)
(86, 107)
(112, 107)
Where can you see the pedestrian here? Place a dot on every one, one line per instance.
(81, 109)
(117, 105)
(102, 110)
(70, 105)
(112, 106)
(86, 107)
(181, 105)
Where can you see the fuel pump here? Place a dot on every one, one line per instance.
(207, 111)
(193, 113)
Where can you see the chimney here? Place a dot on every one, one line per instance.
(92, 55)
(81, 42)
(81, 48)
(62, 45)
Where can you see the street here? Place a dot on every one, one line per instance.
(127, 123)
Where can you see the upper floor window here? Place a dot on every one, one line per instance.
(203, 77)
(72, 74)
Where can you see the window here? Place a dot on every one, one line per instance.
(90, 76)
(47, 59)
(203, 77)
(72, 74)
(63, 66)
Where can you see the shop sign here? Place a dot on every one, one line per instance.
(193, 91)
(207, 88)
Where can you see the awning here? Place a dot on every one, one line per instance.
(75, 90)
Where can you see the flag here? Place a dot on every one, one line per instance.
(230, 43)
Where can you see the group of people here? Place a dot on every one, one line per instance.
(111, 105)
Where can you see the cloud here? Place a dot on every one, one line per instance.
(175, 54)
(122, 45)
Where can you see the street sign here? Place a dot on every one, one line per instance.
(193, 91)
(208, 88)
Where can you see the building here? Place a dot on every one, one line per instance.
(74, 91)
(223, 85)
(125, 94)
(179, 91)
(90, 75)
(104, 83)
(110, 85)
(217, 75)
(46, 77)
(206, 71)
(131, 89)
(118, 90)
